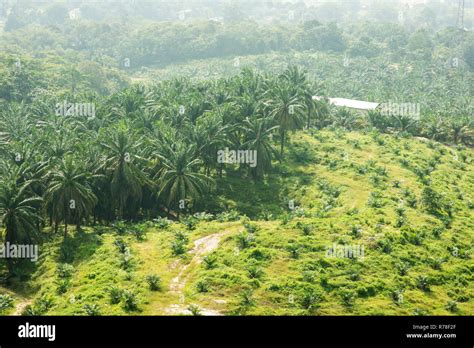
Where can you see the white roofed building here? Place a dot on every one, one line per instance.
(358, 105)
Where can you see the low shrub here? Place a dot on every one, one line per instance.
(294, 250)
(65, 270)
(115, 294)
(161, 223)
(397, 296)
(121, 245)
(310, 299)
(92, 309)
(202, 286)
(231, 215)
(423, 282)
(130, 301)
(254, 272)
(246, 298)
(154, 282)
(347, 297)
(190, 222)
(244, 240)
(62, 286)
(210, 261)
(6, 302)
(178, 247)
(452, 306)
(194, 309)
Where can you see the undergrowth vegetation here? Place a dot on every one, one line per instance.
(416, 233)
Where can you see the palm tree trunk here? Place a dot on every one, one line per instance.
(120, 215)
(65, 220)
(282, 145)
(10, 232)
(10, 266)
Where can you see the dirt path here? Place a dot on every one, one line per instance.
(202, 247)
(21, 306)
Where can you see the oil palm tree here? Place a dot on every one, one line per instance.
(378, 120)
(434, 127)
(461, 129)
(286, 110)
(405, 123)
(344, 118)
(312, 106)
(296, 77)
(259, 138)
(178, 178)
(322, 112)
(210, 135)
(18, 212)
(121, 162)
(69, 192)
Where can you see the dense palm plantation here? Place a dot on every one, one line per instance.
(150, 148)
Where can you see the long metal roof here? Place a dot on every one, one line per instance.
(351, 103)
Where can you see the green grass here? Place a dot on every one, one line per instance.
(284, 269)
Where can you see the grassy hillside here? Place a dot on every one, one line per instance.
(347, 188)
